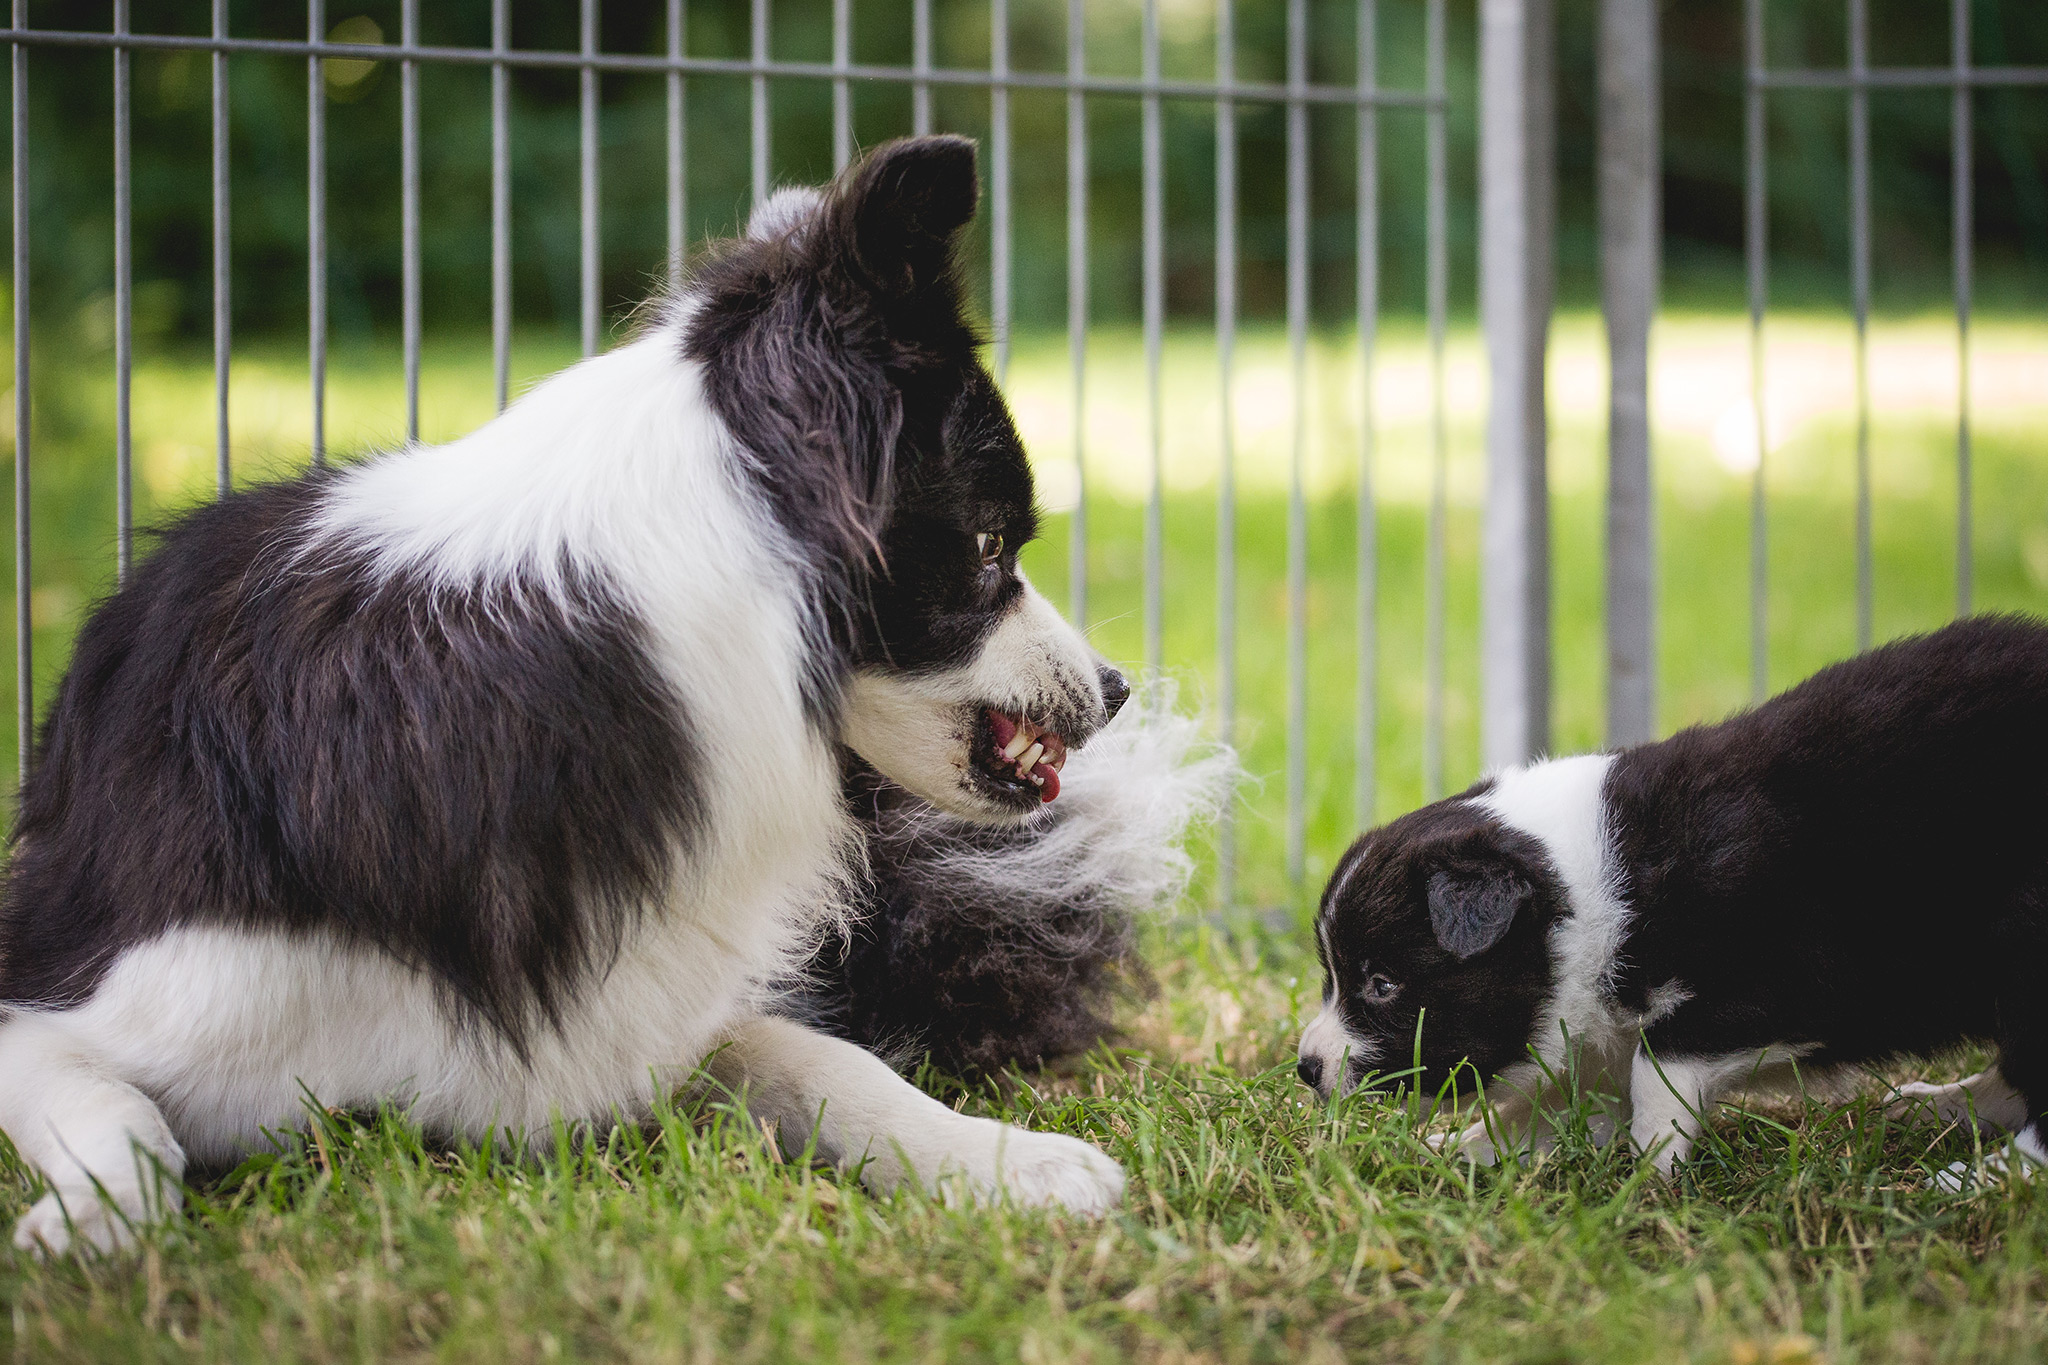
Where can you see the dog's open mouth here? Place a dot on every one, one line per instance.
(1017, 755)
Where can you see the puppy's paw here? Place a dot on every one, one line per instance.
(2011, 1161)
(45, 1230)
(1472, 1143)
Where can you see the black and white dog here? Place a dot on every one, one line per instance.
(502, 778)
(1851, 871)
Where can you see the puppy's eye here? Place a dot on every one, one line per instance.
(1379, 989)
(990, 545)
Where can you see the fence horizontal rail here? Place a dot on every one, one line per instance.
(1902, 78)
(623, 63)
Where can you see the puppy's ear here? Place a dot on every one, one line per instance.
(904, 204)
(1471, 910)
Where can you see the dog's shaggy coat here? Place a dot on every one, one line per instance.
(1853, 870)
(503, 778)
(981, 946)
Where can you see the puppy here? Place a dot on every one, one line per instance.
(1853, 870)
(501, 779)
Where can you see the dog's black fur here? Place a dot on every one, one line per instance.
(259, 739)
(882, 442)
(972, 977)
(1856, 869)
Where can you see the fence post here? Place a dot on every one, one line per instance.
(1517, 208)
(1629, 224)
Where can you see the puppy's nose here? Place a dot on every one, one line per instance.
(1310, 1069)
(1115, 691)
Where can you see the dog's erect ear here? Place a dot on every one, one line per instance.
(1471, 910)
(903, 205)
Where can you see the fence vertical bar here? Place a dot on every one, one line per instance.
(678, 164)
(999, 183)
(842, 88)
(24, 575)
(409, 210)
(1153, 268)
(1859, 271)
(1297, 502)
(1962, 196)
(1365, 738)
(587, 177)
(1436, 291)
(316, 230)
(1515, 188)
(1226, 488)
(757, 123)
(1756, 253)
(1630, 187)
(124, 305)
(222, 318)
(921, 65)
(501, 203)
(1077, 304)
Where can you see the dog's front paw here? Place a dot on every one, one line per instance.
(46, 1230)
(1048, 1170)
(988, 1162)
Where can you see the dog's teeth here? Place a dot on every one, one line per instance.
(1017, 743)
(1031, 757)
(1036, 780)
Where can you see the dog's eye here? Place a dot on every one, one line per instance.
(1379, 990)
(990, 544)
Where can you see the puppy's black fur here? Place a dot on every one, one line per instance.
(1856, 869)
(1415, 897)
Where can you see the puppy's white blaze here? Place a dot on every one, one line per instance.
(918, 729)
(1559, 804)
(1329, 1042)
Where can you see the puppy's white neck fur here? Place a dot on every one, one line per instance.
(1559, 803)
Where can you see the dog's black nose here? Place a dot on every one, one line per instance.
(1310, 1069)
(1115, 691)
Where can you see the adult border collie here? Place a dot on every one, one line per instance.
(1856, 869)
(501, 778)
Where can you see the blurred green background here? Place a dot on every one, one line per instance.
(1703, 458)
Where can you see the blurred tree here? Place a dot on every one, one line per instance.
(71, 163)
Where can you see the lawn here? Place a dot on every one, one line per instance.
(1259, 1225)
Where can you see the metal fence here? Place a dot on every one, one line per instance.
(1858, 79)
(1516, 190)
(1227, 92)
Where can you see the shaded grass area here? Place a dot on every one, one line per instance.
(1260, 1226)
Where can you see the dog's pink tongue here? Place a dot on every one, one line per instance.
(1002, 729)
(1049, 775)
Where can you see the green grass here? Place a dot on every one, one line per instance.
(1259, 1225)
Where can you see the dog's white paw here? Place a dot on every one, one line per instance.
(45, 1230)
(1035, 1170)
(1050, 1170)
